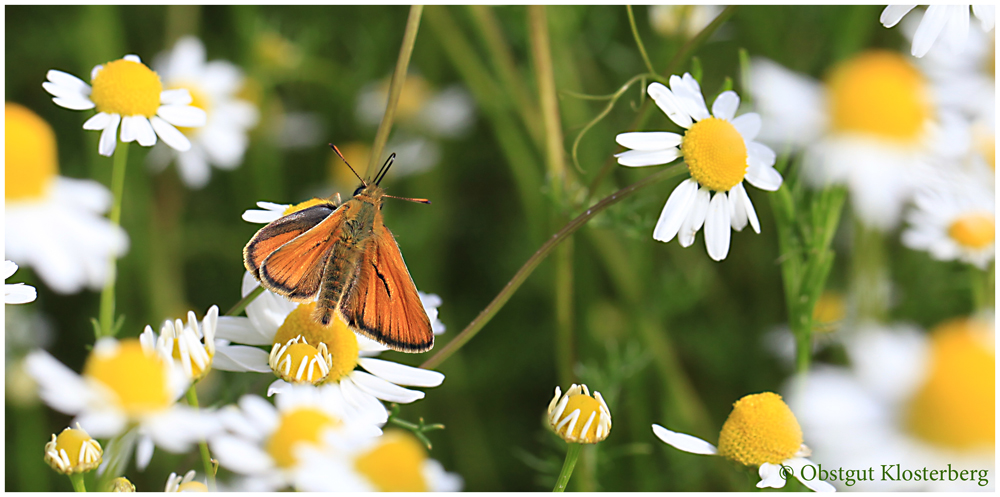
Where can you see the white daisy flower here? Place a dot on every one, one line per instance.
(73, 451)
(394, 462)
(124, 386)
(266, 443)
(213, 87)
(303, 351)
(949, 22)
(689, 20)
(127, 92)
(720, 153)
(872, 127)
(911, 399)
(578, 417)
(52, 223)
(955, 218)
(760, 431)
(447, 113)
(186, 483)
(190, 346)
(16, 293)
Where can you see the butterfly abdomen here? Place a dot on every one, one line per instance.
(340, 269)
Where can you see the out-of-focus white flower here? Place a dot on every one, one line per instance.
(191, 346)
(910, 399)
(127, 92)
(669, 20)
(213, 87)
(720, 153)
(949, 22)
(16, 293)
(52, 223)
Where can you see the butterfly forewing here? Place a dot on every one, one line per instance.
(382, 301)
(279, 232)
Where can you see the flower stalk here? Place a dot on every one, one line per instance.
(206, 457)
(572, 454)
(107, 310)
(77, 480)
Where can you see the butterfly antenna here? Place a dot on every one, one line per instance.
(385, 168)
(408, 199)
(335, 149)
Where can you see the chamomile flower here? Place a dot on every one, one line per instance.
(52, 223)
(908, 398)
(121, 484)
(394, 462)
(266, 442)
(720, 153)
(192, 347)
(689, 20)
(123, 386)
(73, 451)
(949, 22)
(186, 483)
(955, 218)
(126, 92)
(303, 351)
(873, 126)
(213, 87)
(578, 417)
(16, 293)
(760, 431)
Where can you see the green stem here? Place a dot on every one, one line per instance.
(870, 276)
(206, 457)
(545, 79)
(77, 479)
(572, 453)
(983, 287)
(529, 266)
(245, 301)
(638, 40)
(395, 88)
(107, 311)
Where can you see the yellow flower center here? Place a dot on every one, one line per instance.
(121, 484)
(73, 451)
(588, 407)
(197, 372)
(975, 230)
(301, 425)
(303, 205)
(192, 486)
(30, 154)
(395, 464)
(138, 379)
(299, 362)
(338, 339)
(761, 429)
(879, 93)
(715, 154)
(127, 88)
(829, 310)
(198, 99)
(955, 407)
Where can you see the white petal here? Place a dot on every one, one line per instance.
(684, 442)
(9, 267)
(987, 15)
(144, 133)
(109, 137)
(260, 216)
(893, 13)
(717, 227)
(668, 103)
(69, 93)
(102, 424)
(128, 128)
(170, 134)
(99, 121)
(725, 105)
(695, 218)
(132, 58)
(182, 115)
(930, 27)
(241, 330)
(675, 210)
(60, 387)
(74, 103)
(240, 358)
(68, 81)
(738, 213)
(652, 140)
(771, 476)
(764, 177)
(815, 484)
(748, 125)
(365, 405)
(175, 97)
(639, 158)
(748, 206)
(19, 293)
(382, 389)
(760, 154)
(240, 456)
(401, 374)
(689, 96)
(144, 452)
(792, 104)
(194, 167)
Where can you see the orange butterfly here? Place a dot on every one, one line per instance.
(345, 255)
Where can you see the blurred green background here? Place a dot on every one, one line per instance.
(666, 334)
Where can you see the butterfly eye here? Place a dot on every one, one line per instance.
(356, 192)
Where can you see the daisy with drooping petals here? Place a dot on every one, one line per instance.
(909, 400)
(720, 153)
(127, 92)
(124, 386)
(213, 87)
(873, 127)
(52, 223)
(950, 20)
(73, 451)
(191, 346)
(578, 417)
(16, 293)
(186, 483)
(303, 351)
(266, 442)
(760, 431)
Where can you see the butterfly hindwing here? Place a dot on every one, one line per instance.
(382, 302)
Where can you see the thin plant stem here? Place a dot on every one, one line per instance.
(529, 266)
(982, 282)
(638, 40)
(206, 457)
(107, 311)
(395, 88)
(572, 454)
(77, 480)
(242, 304)
(870, 276)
